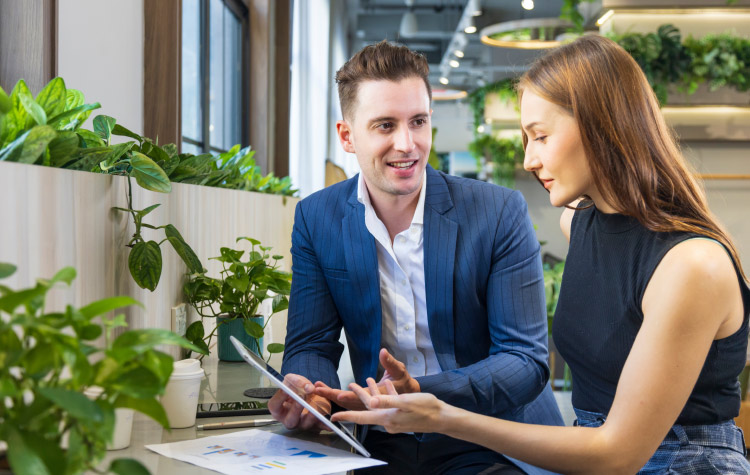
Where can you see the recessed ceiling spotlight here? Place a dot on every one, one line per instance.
(471, 29)
(443, 80)
(454, 63)
(459, 53)
(527, 4)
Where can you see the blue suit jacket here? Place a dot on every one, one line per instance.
(484, 294)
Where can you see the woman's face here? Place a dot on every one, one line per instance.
(554, 151)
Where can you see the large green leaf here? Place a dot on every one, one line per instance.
(122, 131)
(144, 263)
(10, 152)
(22, 455)
(103, 125)
(275, 348)
(73, 98)
(148, 338)
(252, 328)
(34, 110)
(148, 174)
(53, 97)
(183, 249)
(6, 270)
(148, 406)
(77, 114)
(139, 382)
(75, 403)
(91, 140)
(103, 306)
(11, 301)
(128, 467)
(280, 302)
(36, 143)
(62, 148)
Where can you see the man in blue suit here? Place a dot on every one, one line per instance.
(436, 280)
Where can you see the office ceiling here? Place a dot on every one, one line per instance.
(436, 24)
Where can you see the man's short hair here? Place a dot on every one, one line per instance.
(381, 61)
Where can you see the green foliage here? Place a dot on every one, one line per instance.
(46, 131)
(502, 154)
(506, 91)
(569, 11)
(46, 362)
(239, 290)
(552, 281)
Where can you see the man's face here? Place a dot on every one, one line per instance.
(391, 134)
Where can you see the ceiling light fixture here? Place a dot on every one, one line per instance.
(527, 4)
(443, 80)
(471, 29)
(459, 53)
(475, 9)
(409, 25)
(534, 33)
(454, 63)
(605, 17)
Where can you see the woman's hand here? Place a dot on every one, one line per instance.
(415, 412)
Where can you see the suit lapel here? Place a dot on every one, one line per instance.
(440, 235)
(362, 266)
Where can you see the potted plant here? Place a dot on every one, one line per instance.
(235, 297)
(46, 364)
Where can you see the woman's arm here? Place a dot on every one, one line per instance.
(692, 298)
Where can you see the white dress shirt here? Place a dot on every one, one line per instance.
(405, 330)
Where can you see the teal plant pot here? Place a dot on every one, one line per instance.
(235, 328)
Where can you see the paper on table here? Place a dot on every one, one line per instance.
(254, 451)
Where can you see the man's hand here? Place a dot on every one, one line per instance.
(395, 372)
(290, 413)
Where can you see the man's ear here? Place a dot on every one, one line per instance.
(344, 131)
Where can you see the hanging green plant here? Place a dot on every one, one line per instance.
(477, 99)
(501, 154)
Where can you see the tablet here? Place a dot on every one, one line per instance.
(277, 380)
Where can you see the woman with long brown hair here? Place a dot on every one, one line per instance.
(653, 310)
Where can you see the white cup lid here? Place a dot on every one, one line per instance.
(187, 369)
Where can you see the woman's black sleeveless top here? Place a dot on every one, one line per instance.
(610, 261)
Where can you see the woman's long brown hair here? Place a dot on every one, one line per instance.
(633, 155)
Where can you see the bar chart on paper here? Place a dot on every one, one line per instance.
(257, 451)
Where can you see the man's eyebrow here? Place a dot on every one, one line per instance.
(381, 119)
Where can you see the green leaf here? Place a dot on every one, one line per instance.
(195, 331)
(35, 144)
(145, 264)
(75, 403)
(183, 249)
(280, 302)
(160, 364)
(53, 97)
(39, 361)
(148, 406)
(239, 283)
(31, 107)
(22, 456)
(103, 125)
(66, 274)
(77, 114)
(254, 242)
(9, 302)
(123, 132)
(148, 338)
(11, 151)
(5, 103)
(6, 270)
(116, 152)
(146, 211)
(275, 348)
(73, 98)
(90, 332)
(7, 387)
(92, 140)
(139, 382)
(128, 467)
(252, 328)
(12, 347)
(62, 148)
(148, 174)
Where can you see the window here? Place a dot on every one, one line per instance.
(212, 75)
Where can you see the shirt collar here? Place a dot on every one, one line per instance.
(363, 196)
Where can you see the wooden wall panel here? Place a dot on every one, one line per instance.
(162, 29)
(55, 218)
(27, 43)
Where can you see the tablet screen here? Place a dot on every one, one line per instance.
(277, 380)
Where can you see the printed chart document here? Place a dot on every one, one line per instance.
(256, 451)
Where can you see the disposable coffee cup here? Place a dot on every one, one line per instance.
(123, 421)
(180, 398)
